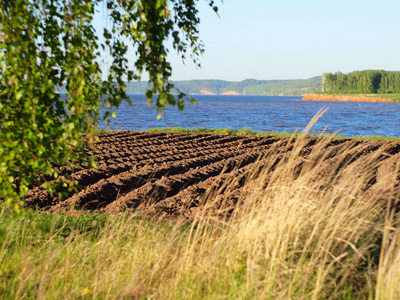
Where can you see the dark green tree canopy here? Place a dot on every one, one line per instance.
(48, 43)
(362, 82)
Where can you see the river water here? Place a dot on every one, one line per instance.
(265, 113)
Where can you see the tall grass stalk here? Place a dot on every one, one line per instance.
(295, 234)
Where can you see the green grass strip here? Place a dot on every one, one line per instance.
(394, 97)
(246, 131)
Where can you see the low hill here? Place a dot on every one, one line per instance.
(295, 87)
(245, 87)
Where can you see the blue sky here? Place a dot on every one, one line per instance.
(291, 39)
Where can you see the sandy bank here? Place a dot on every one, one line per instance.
(338, 98)
(231, 93)
(205, 92)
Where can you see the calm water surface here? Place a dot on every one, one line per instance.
(265, 113)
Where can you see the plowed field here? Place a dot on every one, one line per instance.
(174, 173)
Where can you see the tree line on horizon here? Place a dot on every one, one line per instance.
(361, 82)
(244, 87)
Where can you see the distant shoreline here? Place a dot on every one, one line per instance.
(229, 93)
(344, 98)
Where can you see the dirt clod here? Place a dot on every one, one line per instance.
(175, 173)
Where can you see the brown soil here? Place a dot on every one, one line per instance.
(173, 173)
(338, 98)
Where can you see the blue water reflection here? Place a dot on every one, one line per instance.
(265, 113)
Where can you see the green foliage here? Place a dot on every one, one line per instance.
(46, 44)
(248, 86)
(362, 82)
(286, 87)
(41, 223)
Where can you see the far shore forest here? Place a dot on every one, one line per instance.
(366, 82)
(373, 83)
(362, 82)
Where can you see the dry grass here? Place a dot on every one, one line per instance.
(295, 234)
